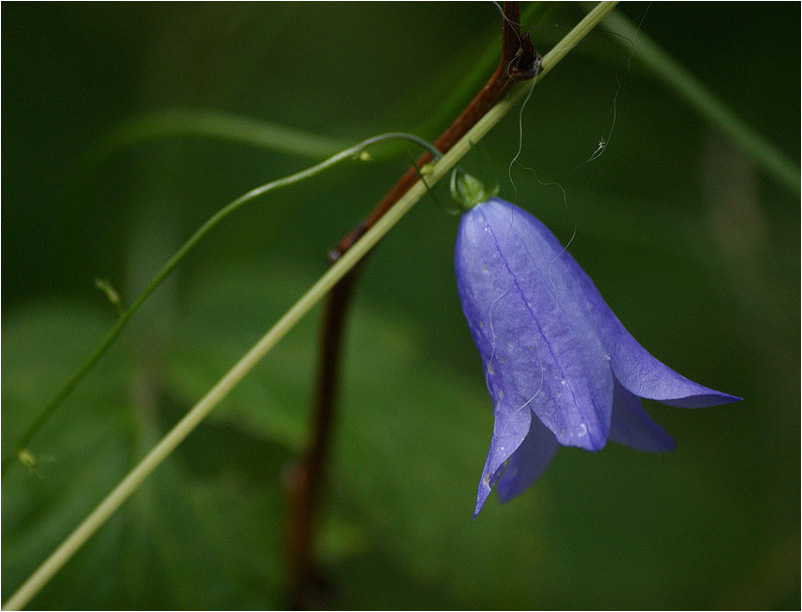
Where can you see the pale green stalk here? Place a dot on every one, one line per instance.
(680, 80)
(163, 449)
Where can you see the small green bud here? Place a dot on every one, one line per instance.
(112, 295)
(27, 458)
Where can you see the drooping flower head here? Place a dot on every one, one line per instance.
(559, 366)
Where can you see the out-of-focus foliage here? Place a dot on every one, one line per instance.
(693, 248)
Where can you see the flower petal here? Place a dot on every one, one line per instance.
(632, 426)
(529, 462)
(509, 431)
(632, 365)
(646, 377)
(537, 347)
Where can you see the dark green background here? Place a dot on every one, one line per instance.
(694, 247)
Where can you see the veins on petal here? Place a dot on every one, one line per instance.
(532, 315)
(565, 320)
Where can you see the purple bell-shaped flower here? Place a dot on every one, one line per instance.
(559, 366)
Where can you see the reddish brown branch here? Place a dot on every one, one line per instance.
(305, 479)
(519, 61)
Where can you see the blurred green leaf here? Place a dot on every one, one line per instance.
(188, 535)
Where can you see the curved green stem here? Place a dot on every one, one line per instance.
(343, 265)
(176, 259)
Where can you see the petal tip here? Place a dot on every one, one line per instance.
(481, 498)
(703, 400)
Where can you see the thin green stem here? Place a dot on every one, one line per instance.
(694, 92)
(176, 259)
(348, 260)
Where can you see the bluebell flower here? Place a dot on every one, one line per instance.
(559, 366)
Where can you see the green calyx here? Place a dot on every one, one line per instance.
(468, 191)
